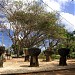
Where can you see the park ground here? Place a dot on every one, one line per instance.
(17, 66)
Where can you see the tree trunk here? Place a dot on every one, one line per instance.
(17, 53)
(62, 61)
(34, 61)
(26, 58)
(26, 55)
(48, 58)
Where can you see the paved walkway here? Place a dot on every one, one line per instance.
(19, 66)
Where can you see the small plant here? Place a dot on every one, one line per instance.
(72, 55)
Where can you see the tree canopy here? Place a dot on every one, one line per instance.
(36, 25)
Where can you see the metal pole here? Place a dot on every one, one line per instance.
(2, 38)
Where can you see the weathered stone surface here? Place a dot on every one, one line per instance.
(2, 50)
(34, 52)
(63, 52)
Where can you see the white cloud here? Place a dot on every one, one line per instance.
(52, 5)
(58, 5)
(68, 20)
(7, 25)
(3, 19)
(20, 37)
(63, 1)
(1, 44)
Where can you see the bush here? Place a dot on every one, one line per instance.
(48, 52)
(54, 56)
(72, 55)
(2, 50)
(42, 56)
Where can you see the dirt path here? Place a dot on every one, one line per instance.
(17, 65)
(61, 72)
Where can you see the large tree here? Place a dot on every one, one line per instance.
(31, 25)
(35, 24)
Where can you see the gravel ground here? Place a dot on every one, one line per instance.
(19, 66)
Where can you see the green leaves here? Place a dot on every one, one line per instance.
(36, 25)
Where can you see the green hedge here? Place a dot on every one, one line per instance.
(72, 55)
(54, 56)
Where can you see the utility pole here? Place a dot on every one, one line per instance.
(2, 38)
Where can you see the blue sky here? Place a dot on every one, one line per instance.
(69, 7)
(66, 8)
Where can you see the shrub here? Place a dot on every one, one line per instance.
(72, 55)
(54, 56)
(42, 56)
(2, 49)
